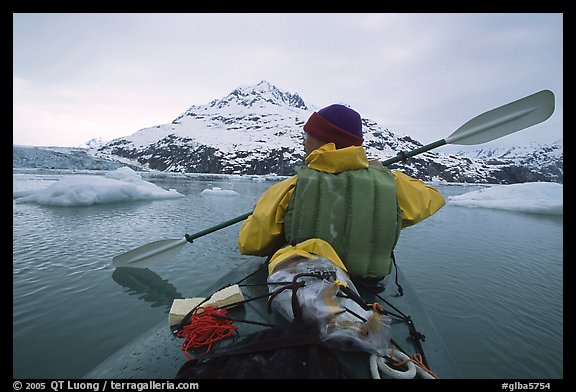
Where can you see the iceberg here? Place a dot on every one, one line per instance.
(532, 197)
(120, 185)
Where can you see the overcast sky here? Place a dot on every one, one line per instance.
(81, 76)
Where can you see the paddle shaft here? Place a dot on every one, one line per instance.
(191, 237)
(403, 155)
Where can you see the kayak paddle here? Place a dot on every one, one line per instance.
(491, 125)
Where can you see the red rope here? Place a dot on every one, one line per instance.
(207, 325)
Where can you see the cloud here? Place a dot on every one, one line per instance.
(109, 75)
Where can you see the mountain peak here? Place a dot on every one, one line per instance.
(260, 95)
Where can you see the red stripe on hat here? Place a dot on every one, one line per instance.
(323, 129)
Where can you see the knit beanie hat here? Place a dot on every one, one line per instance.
(338, 124)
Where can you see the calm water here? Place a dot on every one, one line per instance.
(491, 279)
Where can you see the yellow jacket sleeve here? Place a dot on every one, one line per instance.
(263, 232)
(416, 199)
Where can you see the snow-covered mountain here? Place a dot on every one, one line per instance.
(546, 158)
(258, 130)
(533, 153)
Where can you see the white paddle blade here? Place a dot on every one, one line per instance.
(149, 254)
(505, 120)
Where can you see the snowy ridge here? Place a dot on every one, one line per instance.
(554, 150)
(257, 130)
(547, 158)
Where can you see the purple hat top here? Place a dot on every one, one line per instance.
(338, 124)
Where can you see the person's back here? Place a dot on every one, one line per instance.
(355, 211)
(356, 205)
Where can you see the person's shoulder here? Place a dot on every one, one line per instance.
(287, 182)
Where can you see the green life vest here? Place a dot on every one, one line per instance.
(356, 212)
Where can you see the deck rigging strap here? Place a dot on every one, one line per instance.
(416, 336)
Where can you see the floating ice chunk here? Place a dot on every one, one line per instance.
(215, 191)
(123, 184)
(534, 197)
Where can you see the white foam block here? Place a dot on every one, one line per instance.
(182, 306)
(226, 296)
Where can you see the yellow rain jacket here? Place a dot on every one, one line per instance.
(262, 234)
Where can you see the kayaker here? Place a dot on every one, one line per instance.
(357, 206)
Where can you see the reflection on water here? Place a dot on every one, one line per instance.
(147, 285)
